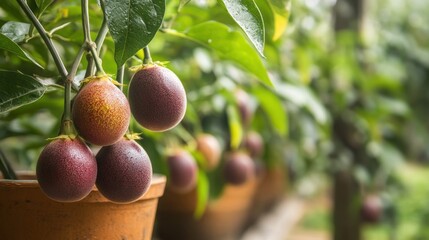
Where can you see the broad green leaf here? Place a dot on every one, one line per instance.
(228, 44)
(17, 89)
(247, 15)
(273, 107)
(203, 188)
(16, 31)
(10, 46)
(235, 128)
(133, 24)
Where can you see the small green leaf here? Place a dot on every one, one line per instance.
(16, 31)
(247, 15)
(202, 194)
(133, 24)
(273, 107)
(235, 128)
(228, 44)
(10, 46)
(17, 89)
(43, 4)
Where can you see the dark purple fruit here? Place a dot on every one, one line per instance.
(209, 147)
(254, 144)
(101, 113)
(183, 171)
(243, 103)
(238, 168)
(372, 208)
(124, 171)
(66, 170)
(157, 98)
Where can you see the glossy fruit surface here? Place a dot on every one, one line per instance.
(210, 148)
(124, 171)
(238, 168)
(157, 98)
(183, 171)
(100, 112)
(254, 144)
(66, 170)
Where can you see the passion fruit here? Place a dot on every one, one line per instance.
(254, 144)
(372, 208)
(238, 168)
(183, 171)
(124, 171)
(243, 103)
(66, 170)
(100, 112)
(157, 98)
(209, 147)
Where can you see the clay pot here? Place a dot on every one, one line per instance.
(223, 218)
(26, 213)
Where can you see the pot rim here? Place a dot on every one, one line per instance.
(155, 190)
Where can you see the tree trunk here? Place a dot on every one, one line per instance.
(348, 15)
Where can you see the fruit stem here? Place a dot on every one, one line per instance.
(91, 46)
(48, 42)
(147, 58)
(66, 122)
(101, 35)
(120, 77)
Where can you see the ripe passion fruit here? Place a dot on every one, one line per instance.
(238, 168)
(209, 147)
(101, 112)
(66, 170)
(124, 171)
(183, 171)
(157, 98)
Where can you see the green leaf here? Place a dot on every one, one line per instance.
(17, 89)
(10, 46)
(16, 31)
(43, 4)
(247, 15)
(235, 128)
(202, 194)
(274, 108)
(133, 24)
(228, 44)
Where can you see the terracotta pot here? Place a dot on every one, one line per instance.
(222, 219)
(270, 190)
(26, 213)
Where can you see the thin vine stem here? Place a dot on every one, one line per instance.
(42, 32)
(99, 40)
(87, 35)
(120, 77)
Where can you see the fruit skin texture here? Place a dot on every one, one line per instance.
(254, 144)
(101, 112)
(238, 168)
(66, 170)
(211, 150)
(372, 208)
(183, 171)
(124, 171)
(157, 98)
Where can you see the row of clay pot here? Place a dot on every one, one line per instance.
(26, 213)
